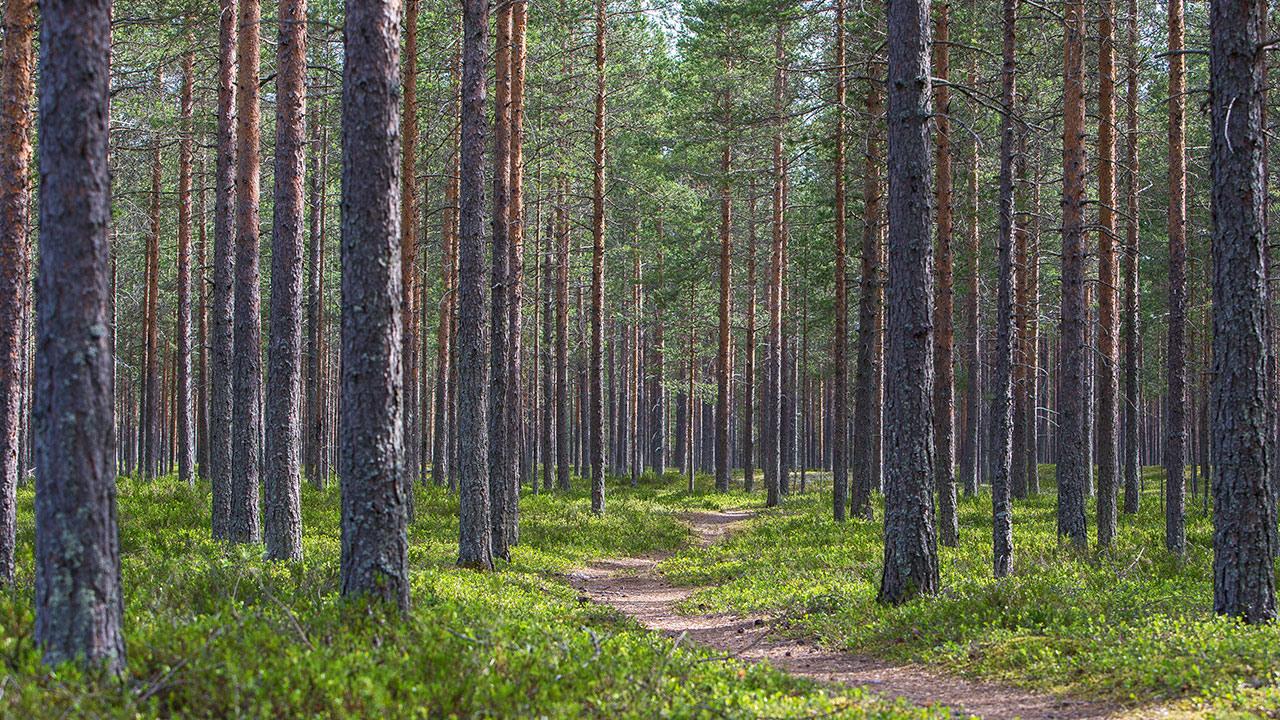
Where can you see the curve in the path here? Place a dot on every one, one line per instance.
(634, 587)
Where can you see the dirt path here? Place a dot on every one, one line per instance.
(633, 586)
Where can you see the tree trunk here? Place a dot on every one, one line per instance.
(1244, 537)
(564, 439)
(151, 380)
(596, 395)
(944, 404)
(1175, 536)
(1131, 461)
(408, 253)
(501, 447)
(910, 543)
(78, 602)
(282, 476)
(375, 547)
(475, 548)
(866, 405)
(749, 368)
(445, 431)
(221, 311)
(16, 78)
(772, 441)
(246, 409)
(186, 418)
(515, 276)
(1001, 403)
(1073, 452)
(726, 251)
(314, 445)
(840, 339)
(970, 444)
(1108, 327)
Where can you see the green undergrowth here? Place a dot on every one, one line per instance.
(216, 632)
(1132, 625)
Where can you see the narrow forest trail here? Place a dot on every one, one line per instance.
(634, 587)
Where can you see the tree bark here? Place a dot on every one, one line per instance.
(282, 474)
(475, 548)
(1073, 452)
(596, 394)
(408, 254)
(222, 307)
(78, 601)
(1244, 536)
(1001, 403)
(749, 366)
(1175, 536)
(445, 432)
(247, 381)
(515, 274)
(772, 441)
(840, 338)
(16, 88)
(375, 547)
(944, 404)
(1131, 461)
(910, 543)
(1108, 327)
(186, 419)
(726, 252)
(866, 406)
(314, 445)
(970, 449)
(150, 368)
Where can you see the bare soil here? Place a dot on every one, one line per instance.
(634, 587)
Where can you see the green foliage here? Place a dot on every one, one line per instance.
(1132, 624)
(214, 631)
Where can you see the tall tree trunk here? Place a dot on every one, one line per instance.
(445, 431)
(501, 450)
(282, 476)
(78, 602)
(910, 543)
(970, 444)
(564, 438)
(596, 395)
(314, 445)
(475, 547)
(726, 253)
(408, 253)
(151, 380)
(772, 441)
(1032, 338)
(1244, 537)
(550, 449)
(1020, 471)
(1131, 462)
(247, 382)
(375, 546)
(1073, 452)
(221, 310)
(515, 273)
(186, 417)
(1175, 535)
(1001, 404)
(1108, 326)
(944, 404)
(840, 339)
(866, 405)
(749, 367)
(201, 284)
(633, 443)
(16, 78)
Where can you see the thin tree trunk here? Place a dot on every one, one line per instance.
(16, 88)
(1131, 461)
(840, 339)
(1108, 327)
(501, 447)
(866, 406)
(772, 440)
(970, 444)
(408, 254)
(221, 311)
(313, 447)
(910, 542)
(564, 439)
(596, 396)
(151, 380)
(247, 381)
(186, 417)
(475, 547)
(1073, 450)
(515, 275)
(1175, 536)
(1244, 538)
(726, 250)
(78, 601)
(749, 369)
(282, 475)
(944, 404)
(445, 430)
(1001, 410)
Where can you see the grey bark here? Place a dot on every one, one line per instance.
(282, 472)
(910, 543)
(1244, 536)
(78, 601)
(375, 545)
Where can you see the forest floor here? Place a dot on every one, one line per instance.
(633, 586)
(216, 631)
